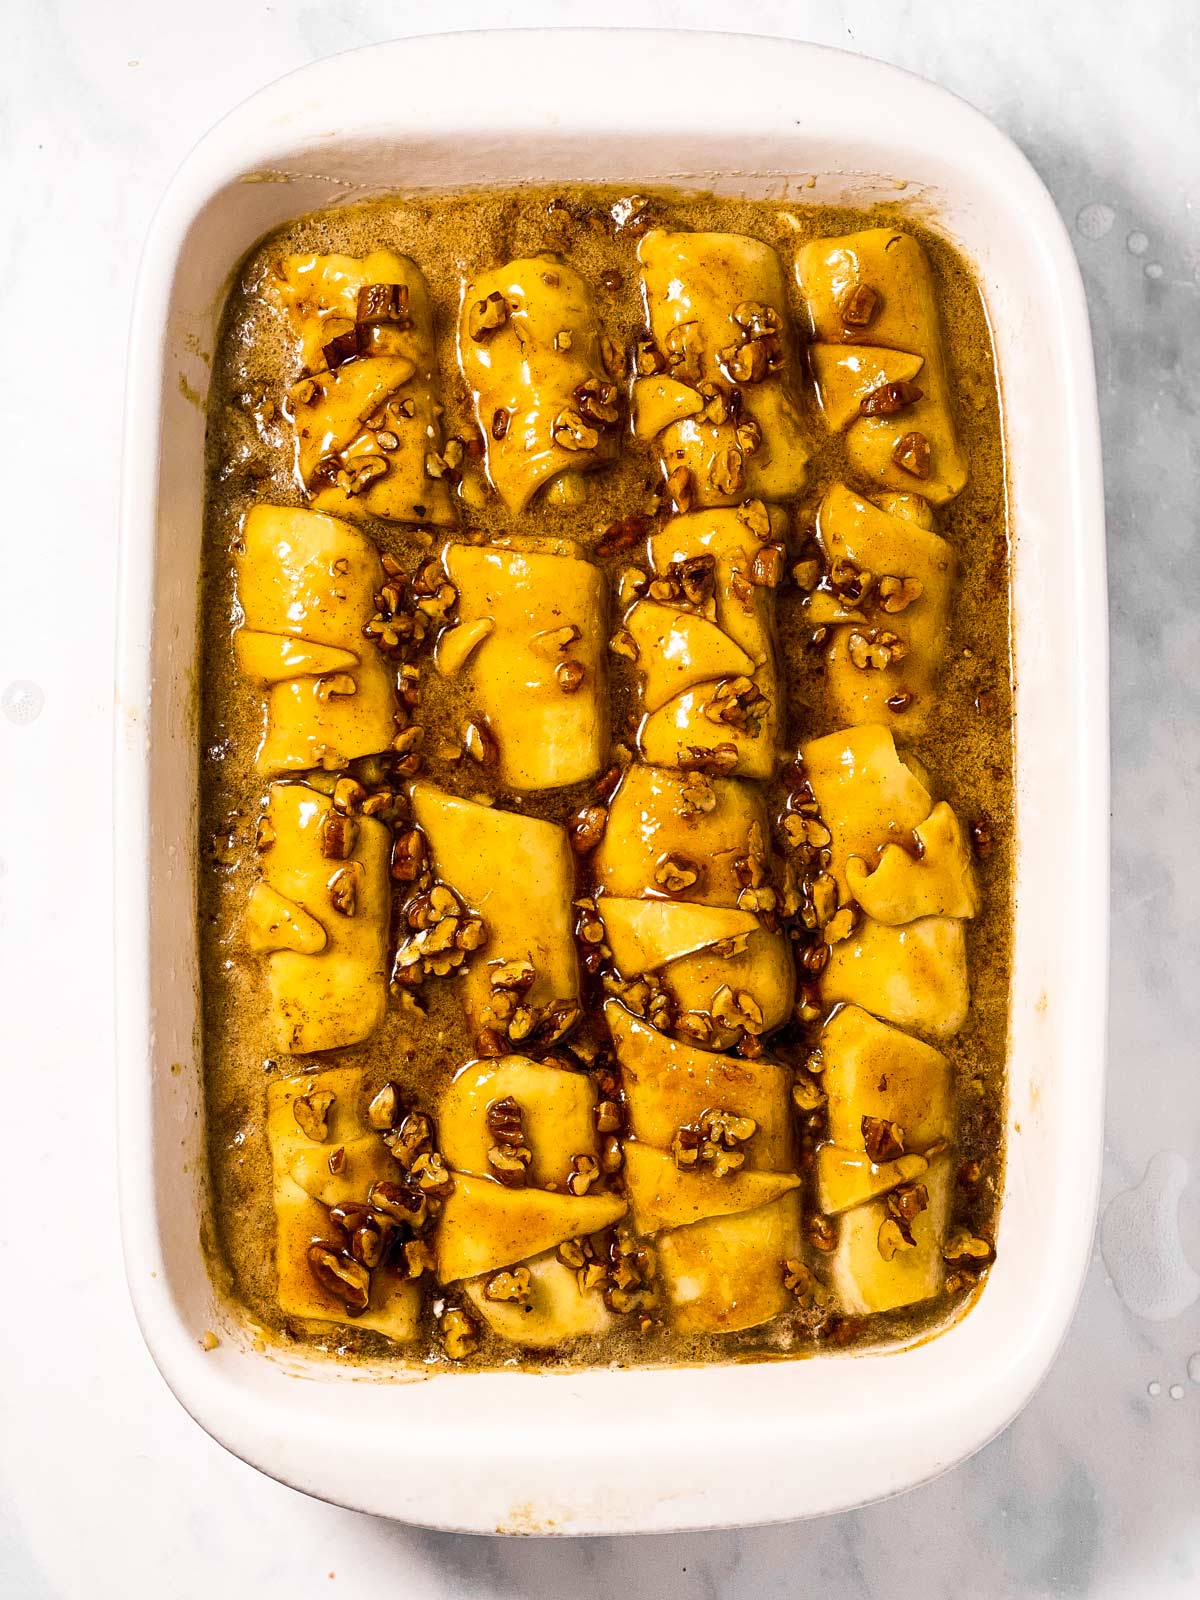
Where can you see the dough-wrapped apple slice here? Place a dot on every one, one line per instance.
(555, 1309)
(557, 1117)
(268, 658)
(677, 649)
(848, 1178)
(868, 797)
(658, 812)
(273, 922)
(645, 935)
(846, 375)
(718, 310)
(871, 1070)
(865, 669)
(484, 1226)
(940, 882)
(867, 1276)
(366, 408)
(876, 288)
(394, 1307)
(915, 976)
(304, 1160)
(699, 722)
(303, 1186)
(333, 993)
(726, 1273)
(741, 608)
(518, 874)
(533, 353)
(743, 712)
(306, 585)
(538, 673)
(660, 401)
(757, 977)
(669, 1084)
(661, 1195)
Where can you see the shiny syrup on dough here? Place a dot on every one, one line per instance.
(968, 749)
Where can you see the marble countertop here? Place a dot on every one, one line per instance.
(106, 1488)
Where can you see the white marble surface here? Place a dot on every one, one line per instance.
(106, 1487)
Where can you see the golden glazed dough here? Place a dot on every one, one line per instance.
(718, 313)
(871, 677)
(366, 405)
(304, 1187)
(534, 355)
(515, 872)
(537, 672)
(321, 920)
(306, 585)
(875, 289)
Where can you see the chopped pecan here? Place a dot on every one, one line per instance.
(889, 398)
(913, 453)
(859, 306)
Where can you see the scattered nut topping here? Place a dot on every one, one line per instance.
(875, 649)
(311, 1112)
(486, 316)
(806, 574)
(889, 398)
(897, 594)
(883, 1140)
(801, 1281)
(981, 836)
(500, 421)
(337, 1272)
(697, 797)
(892, 1239)
(569, 676)
(808, 1096)
(264, 835)
(381, 1113)
(737, 703)
(569, 431)
(585, 1171)
(408, 855)
(859, 306)
(622, 535)
(766, 570)
(597, 401)
(337, 835)
(961, 1244)
(418, 1258)
(459, 1333)
(820, 1232)
(720, 760)
(675, 873)
(509, 1156)
(623, 644)
(712, 1141)
(913, 453)
(514, 1284)
(648, 359)
(840, 926)
(727, 472)
(586, 828)
(679, 487)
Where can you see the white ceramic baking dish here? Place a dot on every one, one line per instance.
(606, 1451)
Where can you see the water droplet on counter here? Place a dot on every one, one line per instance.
(1194, 1368)
(1137, 243)
(1095, 220)
(22, 701)
(1139, 1239)
(1154, 269)
(1176, 1391)
(1154, 1390)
